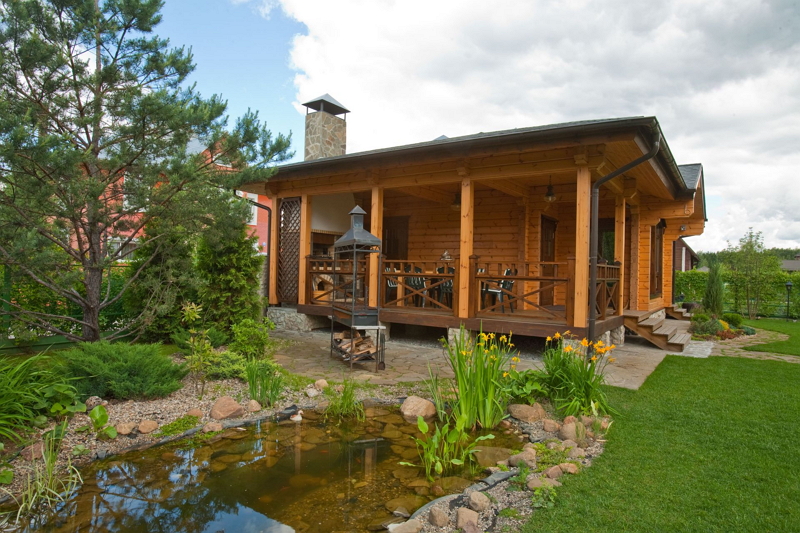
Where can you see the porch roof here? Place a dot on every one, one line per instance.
(444, 147)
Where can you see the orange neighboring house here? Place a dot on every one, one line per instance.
(491, 230)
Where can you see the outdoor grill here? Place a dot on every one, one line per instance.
(350, 296)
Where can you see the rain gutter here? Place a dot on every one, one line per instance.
(595, 230)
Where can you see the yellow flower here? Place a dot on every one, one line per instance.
(594, 358)
(515, 359)
(549, 339)
(505, 374)
(491, 335)
(567, 349)
(612, 346)
(566, 332)
(513, 367)
(484, 336)
(492, 358)
(463, 352)
(557, 335)
(598, 344)
(611, 359)
(510, 345)
(584, 343)
(503, 338)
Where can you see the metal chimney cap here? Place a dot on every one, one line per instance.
(357, 211)
(328, 104)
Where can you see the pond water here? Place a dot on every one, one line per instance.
(272, 478)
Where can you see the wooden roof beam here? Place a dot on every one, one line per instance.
(508, 187)
(432, 194)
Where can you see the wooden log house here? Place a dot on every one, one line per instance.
(489, 230)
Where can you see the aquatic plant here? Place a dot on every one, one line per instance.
(344, 404)
(446, 448)
(264, 381)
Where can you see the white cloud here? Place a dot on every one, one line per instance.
(722, 76)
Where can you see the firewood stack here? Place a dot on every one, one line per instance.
(364, 345)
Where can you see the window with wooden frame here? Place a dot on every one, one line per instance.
(657, 259)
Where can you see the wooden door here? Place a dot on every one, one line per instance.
(548, 253)
(395, 238)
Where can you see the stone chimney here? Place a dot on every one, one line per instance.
(326, 133)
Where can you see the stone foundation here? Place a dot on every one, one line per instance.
(288, 319)
(618, 336)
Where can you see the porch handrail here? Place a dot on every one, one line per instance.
(420, 284)
(608, 277)
(320, 288)
(506, 281)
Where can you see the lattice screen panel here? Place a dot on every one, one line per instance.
(289, 255)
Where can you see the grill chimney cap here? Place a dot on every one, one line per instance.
(328, 104)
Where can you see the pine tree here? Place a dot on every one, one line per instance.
(95, 121)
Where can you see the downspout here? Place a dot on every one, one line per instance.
(595, 230)
(269, 235)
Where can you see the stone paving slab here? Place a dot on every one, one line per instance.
(309, 355)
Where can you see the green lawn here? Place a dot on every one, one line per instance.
(704, 445)
(788, 347)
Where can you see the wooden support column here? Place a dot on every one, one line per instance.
(376, 228)
(619, 248)
(582, 215)
(523, 250)
(635, 253)
(305, 248)
(466, 246)
(274, 230)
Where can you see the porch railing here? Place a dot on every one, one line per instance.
(518, 287)
(607, 302)
(429, 285)
(321, 290)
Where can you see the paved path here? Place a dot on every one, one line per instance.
(735, 347)
(308, 354)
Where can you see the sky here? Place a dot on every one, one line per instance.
(721, 76)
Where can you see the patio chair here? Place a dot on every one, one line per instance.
(498, 288)
(446, 288)
(391, 285)
(418, 283)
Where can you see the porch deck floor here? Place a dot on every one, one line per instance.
(309, 355)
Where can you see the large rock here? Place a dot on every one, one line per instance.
(554, 472)
(576, 453)
(551, 426)
(320, 384)
(438, 517)
(410, 503)
(414, 406)
(537, 482)
(212, 427)
(92, 402)
(226, 407)
(527, 413)
(253, 406)
(195, 412)
(34, 451)
(469, 527)
(412, 526)
(569, 468)
(465, 516)
(147, 426)
(125, 428)
(490, 455)
(312, 393)
(479, 502)
(526, 456)
(568, 431)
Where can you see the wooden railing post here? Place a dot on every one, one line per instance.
(309, 285)
(570, 296)
(475, 289)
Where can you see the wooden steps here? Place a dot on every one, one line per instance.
(669, 335)
(678, 313)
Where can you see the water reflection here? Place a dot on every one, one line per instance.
(307, 476)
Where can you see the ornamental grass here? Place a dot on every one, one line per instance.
(478, 366)
(574, 373)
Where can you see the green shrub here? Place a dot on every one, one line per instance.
(733, 319)
(22, 386)
(713, 298)
(227, 365)
(264, 381)
(524, 386)
(709, 327)
(748, 330)
(181, 338)
(122, 371)
(700, 317)
(251, 338)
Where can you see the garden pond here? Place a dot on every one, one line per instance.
(274, 477)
